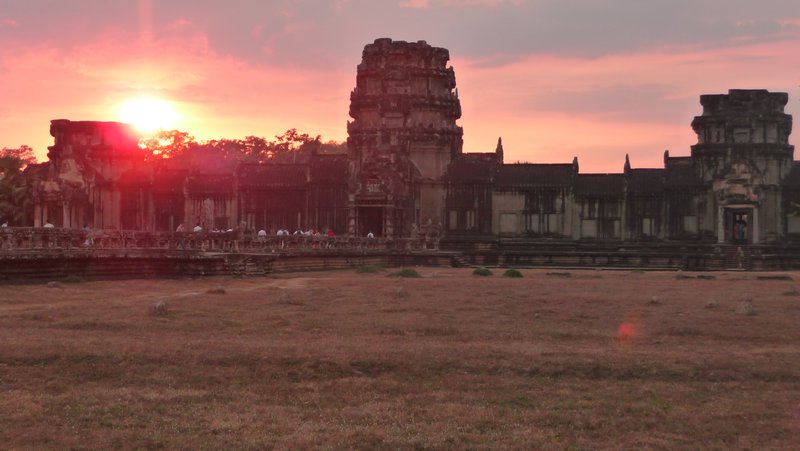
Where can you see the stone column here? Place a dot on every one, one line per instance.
(755, 239)
(65, 216)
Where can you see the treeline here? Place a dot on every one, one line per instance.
(176, 144)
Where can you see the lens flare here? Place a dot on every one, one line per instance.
(626, 331)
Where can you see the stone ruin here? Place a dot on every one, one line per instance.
(405, 175)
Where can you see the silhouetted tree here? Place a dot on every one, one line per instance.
(226, 148)
(15, 194)
(257, 149)
(177, 144)
(168, 144)
(333, 148)
(22, 153)
(291, 140)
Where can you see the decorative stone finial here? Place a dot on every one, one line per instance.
(499, 150)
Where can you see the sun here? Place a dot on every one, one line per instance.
(148, 114)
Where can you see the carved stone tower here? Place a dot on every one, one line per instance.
(402, 137)
(743, 154)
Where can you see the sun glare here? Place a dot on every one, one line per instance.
(149, 115)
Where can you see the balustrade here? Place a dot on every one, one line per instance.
(40, 238)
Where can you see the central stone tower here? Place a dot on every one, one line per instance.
(402, 138)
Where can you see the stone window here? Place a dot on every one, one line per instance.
(589, 228)
(471, 219)
(718, 134)
(532, 223)
(741, 135)
(772, 133)
(648, 226)
(690, 224)
(589, 209)
(453, 220)
(611, 209)
(793, 223)
(758, 135)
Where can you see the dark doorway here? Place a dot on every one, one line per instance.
(370, 219)
(737, 227)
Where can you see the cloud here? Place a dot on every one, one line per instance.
(594, 78)
(414, 3)
(6, 22)
(422, 4)
(551, 107)
(218, 95)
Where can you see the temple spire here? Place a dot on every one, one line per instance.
(499, 149)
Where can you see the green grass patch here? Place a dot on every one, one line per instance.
(369, 269)
(483, 272)
(791, 292)
(512, 273)
(405, 272)
(73, 279)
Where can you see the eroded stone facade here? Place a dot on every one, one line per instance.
(405, 175)
(402, 137)
(98, 176)
(739, 185)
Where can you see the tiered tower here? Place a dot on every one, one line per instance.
(402, 137)
(92, 170)
(743, 154)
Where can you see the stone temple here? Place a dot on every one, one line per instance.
(405, 173)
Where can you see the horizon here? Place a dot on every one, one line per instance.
(554, 80)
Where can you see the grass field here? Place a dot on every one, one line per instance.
(553, 360)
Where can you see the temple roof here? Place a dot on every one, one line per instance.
(645, 181)
(524, 174)
(680, 173)
(470, 168)
(599, 185)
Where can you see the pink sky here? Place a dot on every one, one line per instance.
(554, 79)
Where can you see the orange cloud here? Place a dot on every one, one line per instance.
(216, 95)
(547, 107)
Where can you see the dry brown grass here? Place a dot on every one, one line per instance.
(338, 360)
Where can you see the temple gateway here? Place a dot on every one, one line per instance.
(405, 173)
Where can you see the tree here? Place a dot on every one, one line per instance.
(291, 140)
(167, 144)
(254, 149)
(15, 195)
(230, 149)
(22, 153)
(257, 149)
(333, 148)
